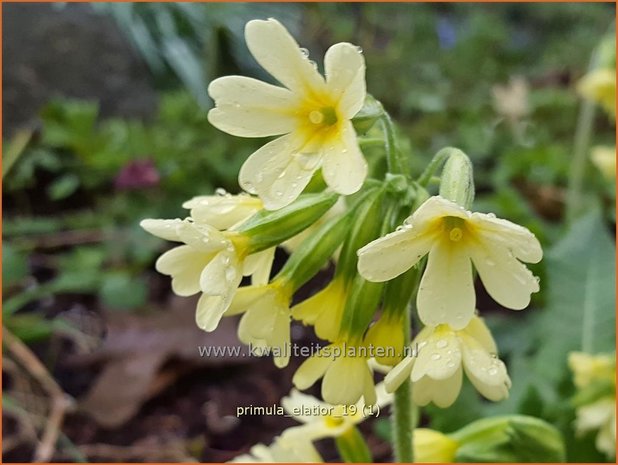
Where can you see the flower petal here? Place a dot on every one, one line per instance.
(344, 67)
(276, 172)
(519, 240)
(436, 208)
(311, 370)
(202, 237)
(259, 265)
(244, 298)
(219, 282)
(246, 107)
(344, 381)
(480, 332)
(296, 402)
(399, 374)
(486, 372)
(507, 280)
(223, 211)
(439, 359)
(446, 293)
(394, 254)
(344, 167)
(278, 53)
(165, 229)
(185, 265)
(441, 392)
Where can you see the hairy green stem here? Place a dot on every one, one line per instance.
(393, 160)
(403, 411)
(434, 165)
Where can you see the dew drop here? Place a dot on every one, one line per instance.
(441, 344)
(490, 262)
(450, 364)
(230, 274)
(279, 193)
(492, 371)
(491, 215)
(304, 52)
(220, 192)
(359, 49)
(436, 356)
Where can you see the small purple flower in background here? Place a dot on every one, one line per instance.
(137, 174)
(447, 35)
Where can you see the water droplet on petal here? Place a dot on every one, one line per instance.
(441, 344)
(436, 356)
(359, 49)
(304, 52)
(490, 262)
(491, 215)
(450, 364)
(492, 371)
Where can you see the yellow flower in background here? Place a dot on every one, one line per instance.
(453, 237)
(443, 354)
(604, 158)
(324, 310)
(311, 114)
(288, 449)
(265, 323)
(599, 86)
(431, 446)
(321, 420)
(596, 374)
(387, 334)
(346, 371)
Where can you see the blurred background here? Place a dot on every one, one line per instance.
(104, 124)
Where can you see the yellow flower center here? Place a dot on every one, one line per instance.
(455, 228)
(326, 116)
(333, 422)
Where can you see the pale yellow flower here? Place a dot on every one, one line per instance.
(346, 371)
(324, 310)
(453, 237)
(321, 420)
(443, 355)
(596, 371)
(212, 262)
(601, 416)
(599, 86)
(223, 210)
(312, 114)
(265, 323)
(431, 446)
(284, 449)
(604, 158)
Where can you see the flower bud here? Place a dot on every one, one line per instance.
(367, 115)
(457, 182)
(431, 446)
(268, 228)
(513, 438)
(315, 251)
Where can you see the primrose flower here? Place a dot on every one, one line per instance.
(442, 355)
(452, 237)
(210, 261)
(321, 420)
(312, 114)
(599, 86)
(594, 377)
(266, 318)
(223, 210)
(284, 449)
(324, 310)
(346, 372)
(604, 158)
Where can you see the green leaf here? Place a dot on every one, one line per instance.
(14, 265)
(63, 187)
(121, 291)
(581, 297)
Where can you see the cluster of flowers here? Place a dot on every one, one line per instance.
(308, 190)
